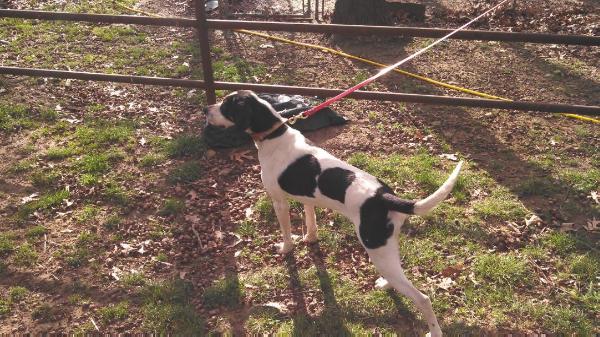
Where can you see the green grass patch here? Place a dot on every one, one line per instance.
(264, 208)
(116, 194)
(7, 244)
(502, 270)
(264, 282)
(500, 205)
(17, 294)
(171, 207)
(235, 69)
(45, 313)
(102, 134)
(60, 153)
(185, 145)
(134, 279)
(151, 159)
(5, 307)
(114, 312)
(36, 232)
(45, 202)
(226, 292)
(112, 222)
(25, 256)
(88, 213)
(583, 181)
(185, 173)
(167, 309)
(585, 267)
(15, 117)
(45, 178)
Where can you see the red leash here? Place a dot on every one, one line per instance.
(384, 71)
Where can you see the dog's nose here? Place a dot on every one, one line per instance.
(205, 110)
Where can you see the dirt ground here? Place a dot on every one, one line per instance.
(115, 217)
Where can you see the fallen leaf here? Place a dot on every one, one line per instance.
(29, 198)
(453, 270)
(449, 156)
(594, 196)
(446, 283)
(592, 225)
(534, 220)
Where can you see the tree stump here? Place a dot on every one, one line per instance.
(376, 12)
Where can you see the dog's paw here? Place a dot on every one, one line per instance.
(310, 238)
(382, 284)
(435, 333)
(284, 248)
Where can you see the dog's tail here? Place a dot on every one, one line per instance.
(422, 207)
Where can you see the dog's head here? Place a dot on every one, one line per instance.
(244, 110)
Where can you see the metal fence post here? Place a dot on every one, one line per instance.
(207, 70)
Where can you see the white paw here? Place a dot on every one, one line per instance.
(284, 248)
(310, 238)
(382, 284)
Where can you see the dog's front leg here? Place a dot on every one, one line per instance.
(282, 210)
(311, 224)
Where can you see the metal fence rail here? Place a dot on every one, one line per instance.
(485, 35)
(279, 89)
(209, 85)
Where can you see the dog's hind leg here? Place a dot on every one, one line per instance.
(387, 261)
(282, 210)
(311, 224)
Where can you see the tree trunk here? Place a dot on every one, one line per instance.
(376, 12)
(362, 12)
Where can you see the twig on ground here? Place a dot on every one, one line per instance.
(95, 325)
(197, 236)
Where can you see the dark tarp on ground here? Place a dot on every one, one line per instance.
(287, 106)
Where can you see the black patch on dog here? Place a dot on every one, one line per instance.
(247, 112)
(394, 203)
(334, 182)
(300, 178)
(375, 227)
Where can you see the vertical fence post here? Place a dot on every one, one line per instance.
(207, 71)
(317, 10)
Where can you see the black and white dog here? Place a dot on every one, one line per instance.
(291, 167)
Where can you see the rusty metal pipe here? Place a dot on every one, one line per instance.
(485, 35)
(279, 89)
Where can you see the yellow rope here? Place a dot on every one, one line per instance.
(350, 56)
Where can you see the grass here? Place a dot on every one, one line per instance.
(45, 313)
(185, 146)
(25, 256)
(502, 270)
(583, 181)
(171, 207)
(45, 202)
(185, 173)
(36, 232)
(17, 294)
(134, 279)
(5, 307)
(7, 244)
(585, 267)
(500, 205)
(166, 309)
(60, 153)
(45, 178)
(114, 312)
(226, 292)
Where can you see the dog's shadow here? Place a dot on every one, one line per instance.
(334, 320)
